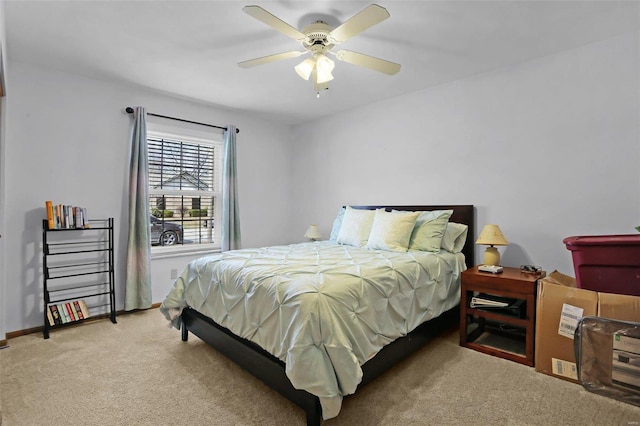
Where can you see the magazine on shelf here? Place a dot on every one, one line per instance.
(482, 301)
(503, 305)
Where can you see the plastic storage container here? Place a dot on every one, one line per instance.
(607, 263)
(608, 357)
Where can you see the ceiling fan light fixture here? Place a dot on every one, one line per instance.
(318, 39)
(305, 68)
(324, 66)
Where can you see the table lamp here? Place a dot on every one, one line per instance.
(312, 233)
(491, 236)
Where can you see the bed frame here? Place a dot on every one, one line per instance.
(271, 370)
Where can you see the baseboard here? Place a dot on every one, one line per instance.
(14, 334)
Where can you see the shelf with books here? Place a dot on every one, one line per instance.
(66, 312)
(78, 273)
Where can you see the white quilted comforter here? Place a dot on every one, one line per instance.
(322, 308)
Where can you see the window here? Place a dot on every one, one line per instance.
(184, 190)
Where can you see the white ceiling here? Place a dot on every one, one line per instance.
(191, 48)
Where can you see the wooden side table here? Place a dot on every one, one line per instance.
(506, 333)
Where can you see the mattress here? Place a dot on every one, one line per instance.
(322, 308)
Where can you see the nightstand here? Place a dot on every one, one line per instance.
(507, 332)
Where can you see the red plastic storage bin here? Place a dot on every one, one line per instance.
(607, 263)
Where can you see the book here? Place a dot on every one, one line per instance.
(78, 309)
(66, 312)
(69, 309)
(56, 220)
(63, 313)
(50, 218)
(60, 313)
(75, 311)
(79, 221)
(85, 220)
(68, 221)
(55, 314)
(84, 308)
(58, 216)
(50, 317)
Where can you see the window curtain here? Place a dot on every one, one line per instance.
(138, 283)
(230, 210)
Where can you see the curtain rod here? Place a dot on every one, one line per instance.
(129, 110)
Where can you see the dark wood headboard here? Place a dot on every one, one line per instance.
(463, 213)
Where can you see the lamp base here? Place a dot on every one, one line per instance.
(491, 256)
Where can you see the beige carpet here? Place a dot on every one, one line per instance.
(139, 372)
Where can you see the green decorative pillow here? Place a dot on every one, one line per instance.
(455, 235)
(356, 226)
(429, 230)
(391, 231)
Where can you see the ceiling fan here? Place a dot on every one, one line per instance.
(319, 38)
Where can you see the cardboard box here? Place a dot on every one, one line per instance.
(561, 279)
(560, 304)
(619, 306)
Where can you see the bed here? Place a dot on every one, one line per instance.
(317, 320)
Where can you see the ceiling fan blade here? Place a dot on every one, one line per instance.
(367, 61)
(366, 18)
(274, 22)
(270, 58)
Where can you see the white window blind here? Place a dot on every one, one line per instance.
(184, 190)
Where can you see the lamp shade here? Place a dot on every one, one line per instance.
(324, 66)
(305, 68)
(312, 233)
(319, 66)
(491, 235)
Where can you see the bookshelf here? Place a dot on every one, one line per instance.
(78, 272)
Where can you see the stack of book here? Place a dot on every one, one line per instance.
(66, 312)
(63, 216)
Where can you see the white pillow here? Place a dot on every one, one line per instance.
(356, 226)
(391, 231)
(337, 223)
(429, 230)
(454, 237)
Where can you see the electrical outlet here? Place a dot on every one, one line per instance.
(174, 274)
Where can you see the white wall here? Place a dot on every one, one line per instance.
(3, 281)
(546, 149)
(67, 140)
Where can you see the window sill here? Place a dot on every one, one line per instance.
(169, 252)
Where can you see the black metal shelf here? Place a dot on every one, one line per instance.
(75, 297)
(97, 258)
(74, 251)
(79, 274)
(78, 265)
(94, 221)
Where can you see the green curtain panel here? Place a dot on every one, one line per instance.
(138, 283)
(230, 209)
